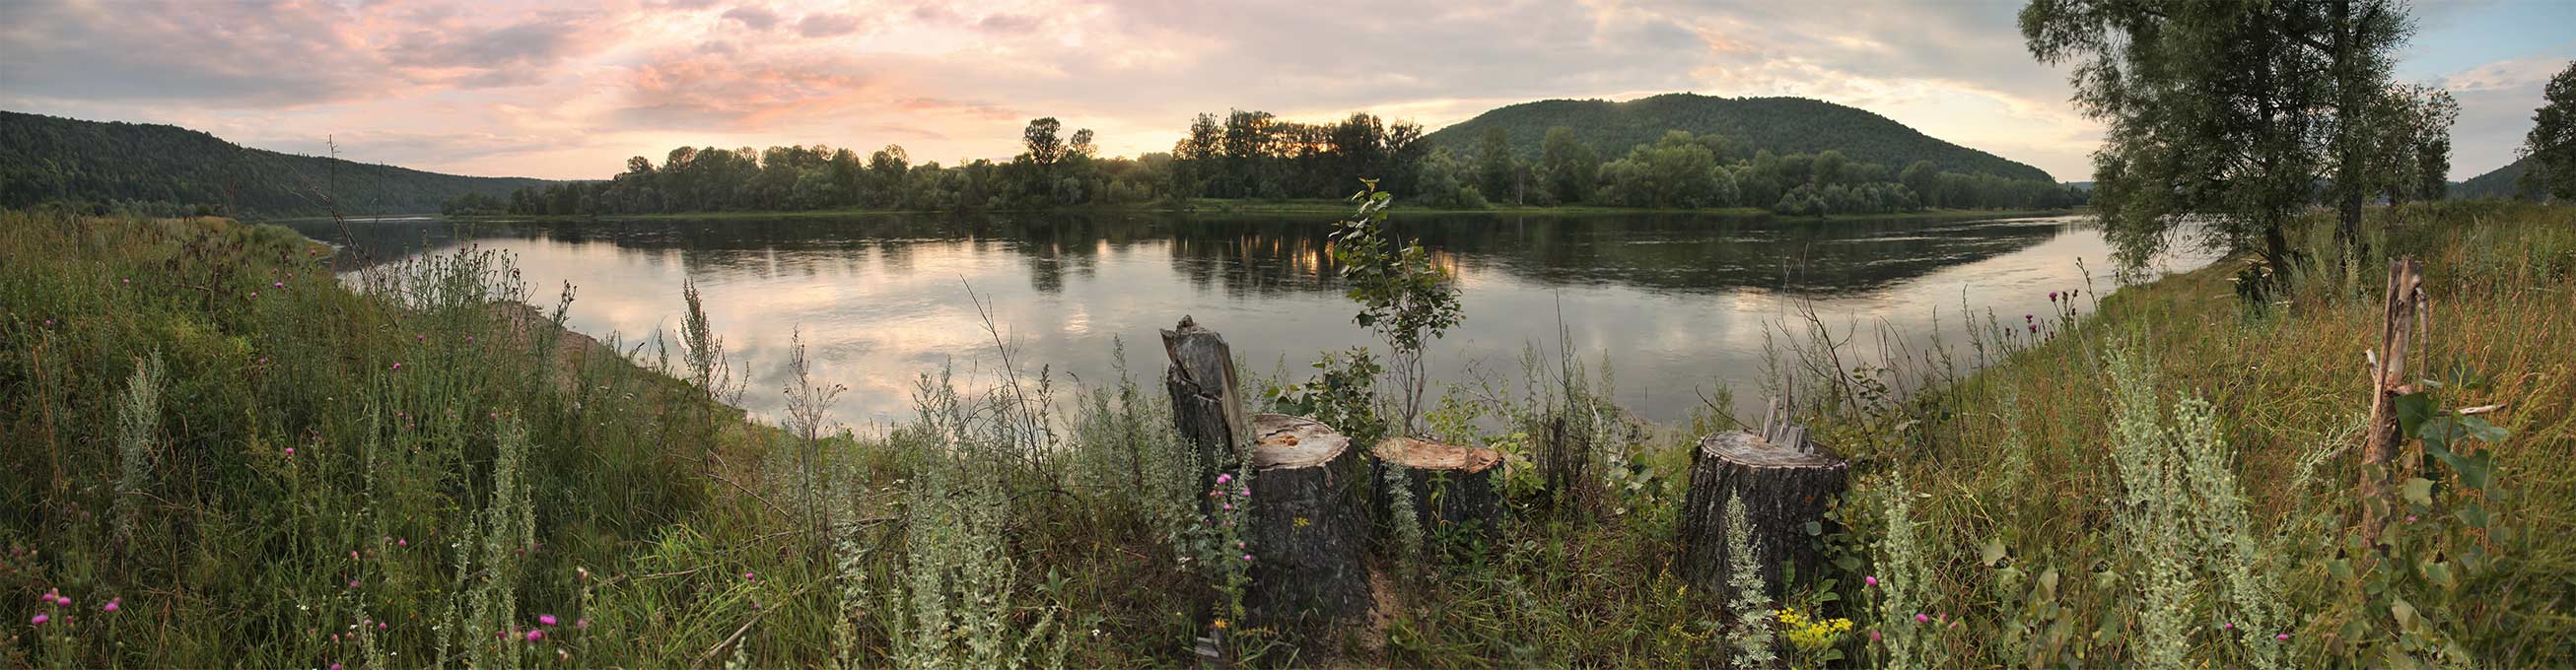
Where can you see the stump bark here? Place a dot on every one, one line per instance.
(1306, 528)
(1785, 483)
(1205, 406)
(1452, 486)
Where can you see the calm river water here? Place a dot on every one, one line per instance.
(1679, 302)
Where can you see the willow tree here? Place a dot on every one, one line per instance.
(2225, 113)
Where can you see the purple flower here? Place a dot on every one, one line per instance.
(397, 366)
(1873, 635)
(1229, 506)
(335, 666)
(2034, 327)
(65, 601)
(380, 625)
(1247, 558)
(277, 285)
(39, 620)
(254, 294)
(112, 605)
(2027, 317)
(581, 623)
(536, 635)
(2227, 626)
(1222, 478)
(290, 451)
(1922, 618)
(402, 543)
(2052, 296)
(353, 583)
(749, 576)
(547, 619)
(1872, 580)
(2283, 637)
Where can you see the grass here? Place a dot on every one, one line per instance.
(1323, 207)
(262, 465)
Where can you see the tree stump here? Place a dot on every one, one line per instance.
(1205, 406)
(1306, 529)
(1452, 486)
(1785, 482)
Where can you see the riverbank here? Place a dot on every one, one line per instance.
(1322, 210)
(311, 475)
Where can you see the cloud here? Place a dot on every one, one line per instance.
(828, 25)
(753, 17)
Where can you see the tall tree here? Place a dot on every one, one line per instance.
(2552, 141)
(1044, 148)
(1494, 165)
(2229, 110)
(1570, 165)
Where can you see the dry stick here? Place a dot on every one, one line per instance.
(2387, 382)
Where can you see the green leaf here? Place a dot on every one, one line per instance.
(2340, 568)
(2419, 491)
(1992, 552)
(2413, 409)
(2405, 614)
(2473, 514)
(1815, 529)
(2485, 432)
(2438, 573)
(2477, 471)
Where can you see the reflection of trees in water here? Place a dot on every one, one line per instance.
(1268, 255)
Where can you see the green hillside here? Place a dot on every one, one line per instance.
(1782, 125)
(96, 165)
(2497, 183)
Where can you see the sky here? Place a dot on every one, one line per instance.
(570, 90)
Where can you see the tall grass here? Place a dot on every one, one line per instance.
(421, 470)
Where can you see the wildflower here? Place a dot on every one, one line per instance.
(1873, 635)
(353, 583)
(254, 294)
(2034, 327)
(1229, 506)
(402, 543)
(1220, 624)
(581, 623)
(39, 620)
(2227, 626)
(290, 451)
(1222, 478)
(1247, 558)
(1870, 580)
(749, 576)
(380, 625)
(2027, 317)
(335, 666)
(1238, 544)
(2285, 637)
(277, 285)
(112, 605)
(546, 619)
(2052, 296)
(2410, 518)
(535, 635)
(397, 366)
(65, 601)
(1922, 618)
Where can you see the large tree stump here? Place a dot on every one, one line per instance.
(1306, 529)
(1205, 406)
(1452, 486)
(1785, 483)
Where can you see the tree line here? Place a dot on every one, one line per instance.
(1256, 155)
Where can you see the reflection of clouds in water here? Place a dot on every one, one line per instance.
(1679, 303)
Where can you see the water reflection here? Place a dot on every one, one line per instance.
(1680, 302)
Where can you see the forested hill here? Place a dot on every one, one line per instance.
(2497, 183)
(168, 169)
(1781, 125)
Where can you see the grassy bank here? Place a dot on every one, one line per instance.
(259, 465)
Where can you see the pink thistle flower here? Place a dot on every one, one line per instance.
(402, 543)
(335, 666)
(39, 620)
(290, 451)
(2034, 327)
(546, 619)
(535, 635)
(581, 623)
(1873, 635)
(277, 285)
(353, 583)
(254, 294)
(2285, 637)
(1222, 478)
(1871, 580)
(1247, 558)
(380, 625)
(397, 366)
(1922, 618)
(2052, 296)
(112, 605)
(1229, 506)
(2227, 626)
(65, 601)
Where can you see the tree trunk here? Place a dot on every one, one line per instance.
(1205, 406)
(1784, 485)
(2348, 129)
(1306, 528)
(2387, 382)
(1451, 486)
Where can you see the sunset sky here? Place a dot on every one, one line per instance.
(555, 91)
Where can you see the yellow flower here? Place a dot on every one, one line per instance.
(1220, 624)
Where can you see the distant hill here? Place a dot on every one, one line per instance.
(1782, 125)
(2495, 184)
(46, 159)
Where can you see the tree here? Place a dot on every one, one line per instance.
(2410, 149)
(2552, 142)
(1921, 177)
(1044, 147)
(1570, 165)
(2230, 111)
(1494, 163)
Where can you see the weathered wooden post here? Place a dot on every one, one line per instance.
(1306, 530)
(1205, 406)
(2388, 381)
(1451, 485)
(1784, 481)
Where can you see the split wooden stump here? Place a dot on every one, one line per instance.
(1785, 484)
(1452, 486)
(1205, 406)
(1308, 537)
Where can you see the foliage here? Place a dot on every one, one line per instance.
(1404, 295)
(1779, 125)
(2551, 145)
(156, 169)
(1750, 638)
